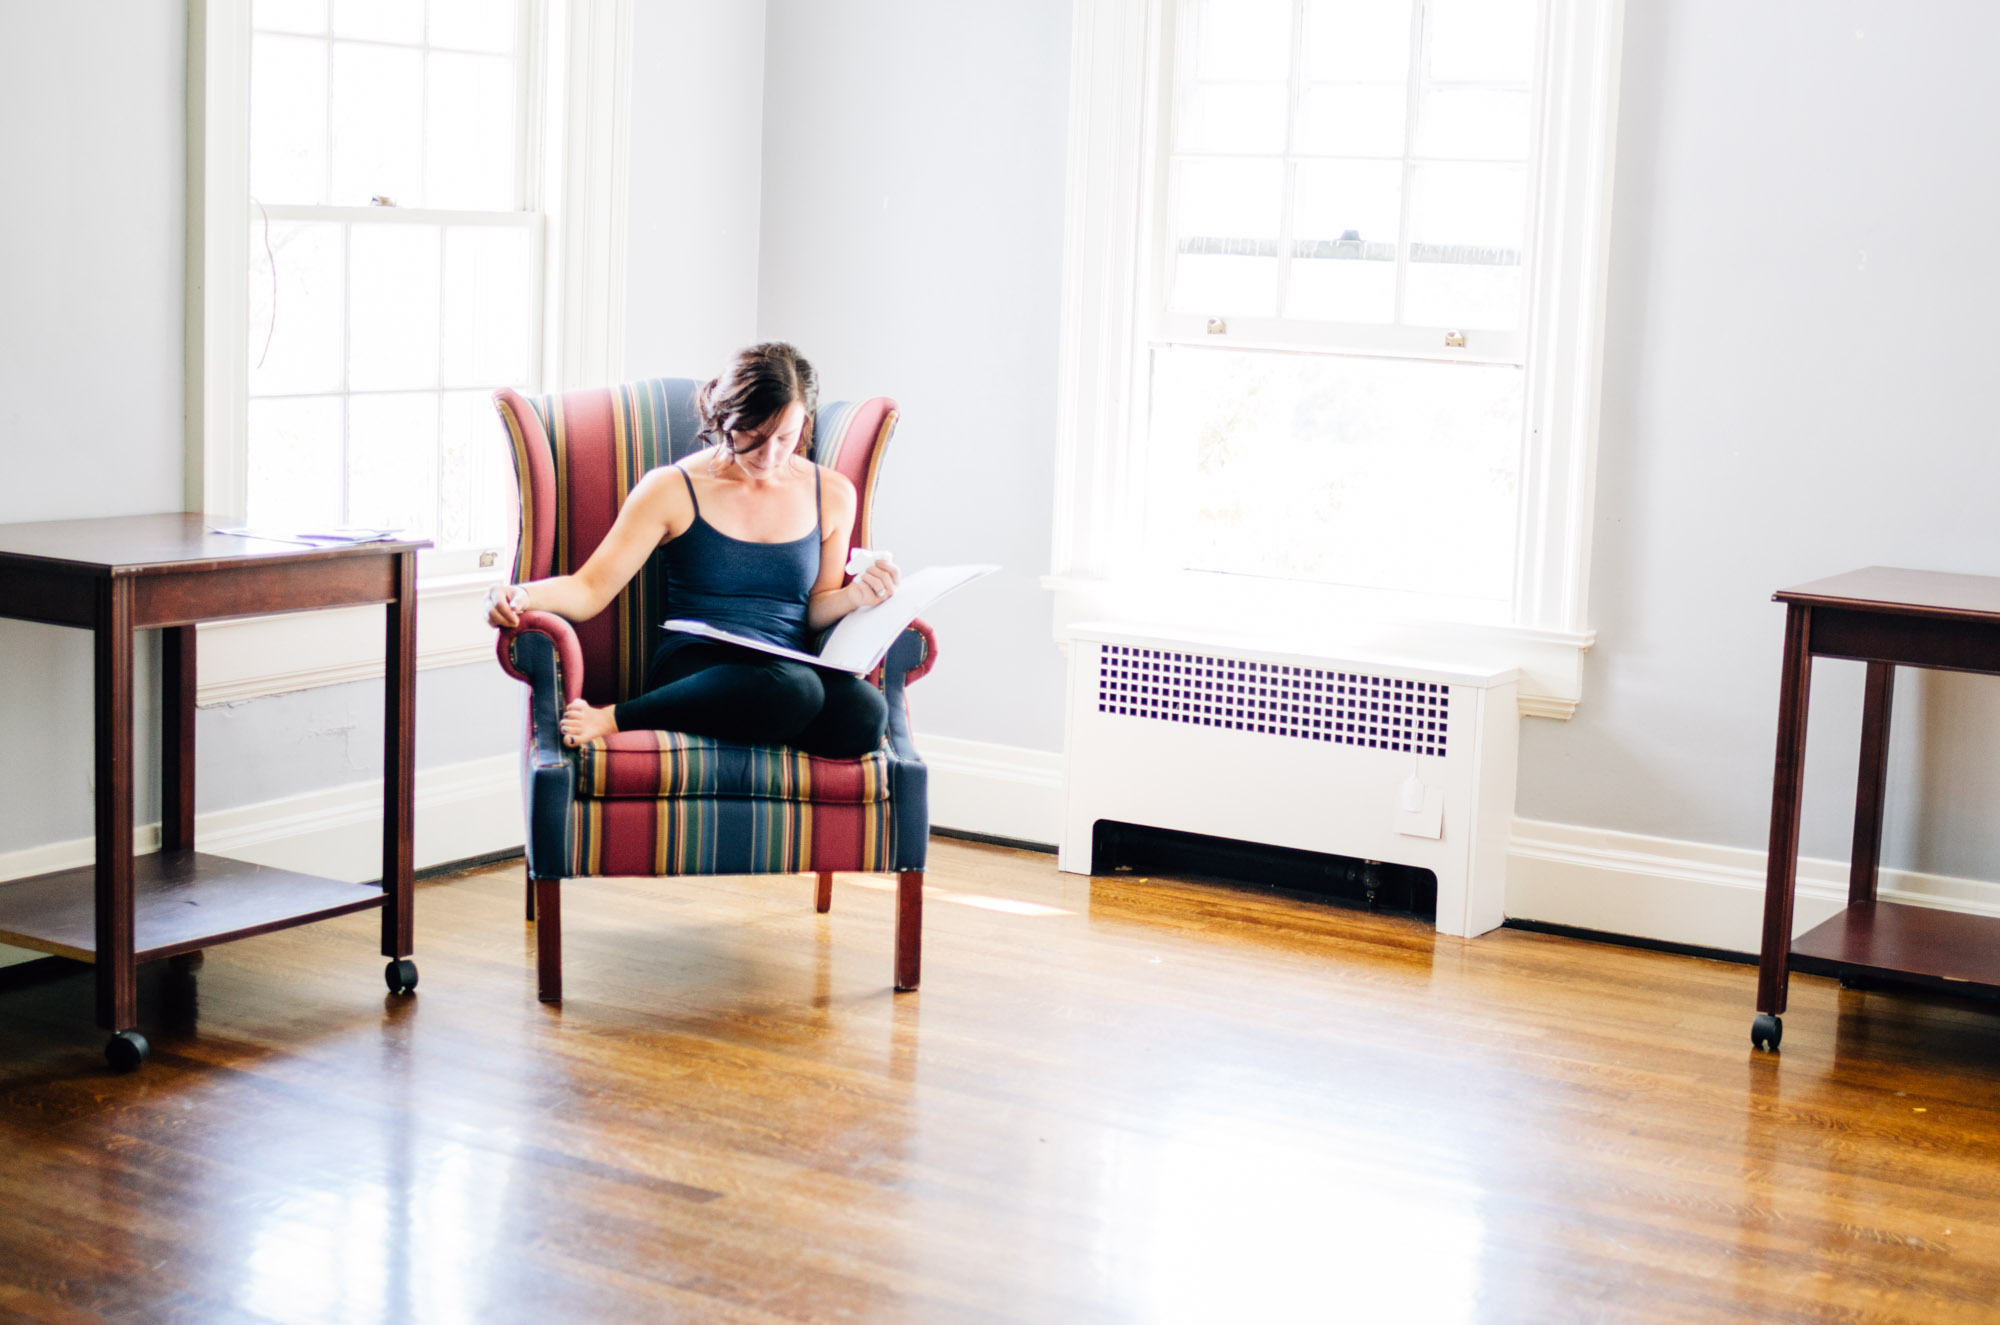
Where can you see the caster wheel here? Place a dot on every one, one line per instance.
(1766, 1031)
(126, 1050)
(401, 976)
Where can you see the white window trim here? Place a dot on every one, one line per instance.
(1114, 96)
(584, 156)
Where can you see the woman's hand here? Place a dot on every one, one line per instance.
(873, 585)
(504, 605)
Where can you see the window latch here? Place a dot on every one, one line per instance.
(1454, 340)
(1217, 327)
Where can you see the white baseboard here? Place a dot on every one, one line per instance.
(998, 790)
(1690, 892)
(463, 810)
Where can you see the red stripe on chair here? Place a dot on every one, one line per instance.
(534, 555)
(627, 839)
(858, 457)
(592, 494)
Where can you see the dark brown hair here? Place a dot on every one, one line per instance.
(756, 387)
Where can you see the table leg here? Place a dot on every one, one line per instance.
(1787, 781)
(1874, 785)
(117, 988)
(399, 764)
(177, 683)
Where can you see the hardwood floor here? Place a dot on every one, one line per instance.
(1113, 1099)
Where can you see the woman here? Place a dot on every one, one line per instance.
(729, 518)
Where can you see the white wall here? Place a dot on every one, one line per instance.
(1797, 382)
(697, 144)
(912, 247)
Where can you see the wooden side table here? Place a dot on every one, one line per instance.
(113, 577)
(1886, 618)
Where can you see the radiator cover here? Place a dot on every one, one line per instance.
(1295, 750)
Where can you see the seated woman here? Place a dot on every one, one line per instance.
(729, 518)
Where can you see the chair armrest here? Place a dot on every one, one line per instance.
(909, 658)
(544, 653)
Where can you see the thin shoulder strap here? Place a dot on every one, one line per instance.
(819, 506)
(686, 478)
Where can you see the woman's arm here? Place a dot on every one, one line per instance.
(830, 600)
(657, 509)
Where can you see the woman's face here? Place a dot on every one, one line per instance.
(767, 448)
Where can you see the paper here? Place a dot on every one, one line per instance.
(862, 639)
(1426, 818)
(314, 537)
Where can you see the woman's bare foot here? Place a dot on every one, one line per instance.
(582, 724)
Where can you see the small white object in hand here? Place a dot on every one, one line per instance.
(515, 594)
(862, 558)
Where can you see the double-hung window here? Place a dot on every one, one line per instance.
(395, 262)
(1332, 300)
(394, 207)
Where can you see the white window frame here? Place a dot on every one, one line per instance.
(580, 148)
(1100, 567)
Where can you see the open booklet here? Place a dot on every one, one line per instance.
(862, 639)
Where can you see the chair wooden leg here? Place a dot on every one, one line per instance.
(530, 890)
(823, 900)
(909, 928)
(548, 940)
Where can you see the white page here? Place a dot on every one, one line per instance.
(863, 637)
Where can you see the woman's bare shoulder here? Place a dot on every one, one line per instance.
(839, 497)
(662, 492)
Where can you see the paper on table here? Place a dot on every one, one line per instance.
(863, 637)
(313, 537)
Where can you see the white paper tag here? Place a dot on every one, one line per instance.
(1426, 821)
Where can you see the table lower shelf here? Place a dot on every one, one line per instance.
(1897, 939)
(182, 901)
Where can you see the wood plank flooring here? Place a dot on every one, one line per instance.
(1117, 1099)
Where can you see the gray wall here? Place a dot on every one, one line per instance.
(1797, 382)
(91, 276)
(697, 143)
(912, 247)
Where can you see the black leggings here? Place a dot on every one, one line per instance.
(735, 694)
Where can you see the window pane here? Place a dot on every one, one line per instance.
(1482, 41)
(1244, 39)
(1466, 226)
(1365, 41)
(379, 20)
(392, 445)
(294, 462)
(473, 25)
(1475, 123)
(289, 15)
(295, 323)
(486, 306)
(1386, 473)
(393, 321)
(1233, 117)
(475, 473)
(1354, 120)
(469, 132)
(287, 120)
(1344, 248)
(1227, 215)
(377, 107)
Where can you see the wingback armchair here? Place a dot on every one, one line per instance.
(650, 803)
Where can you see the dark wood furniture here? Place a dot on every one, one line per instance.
(1885, 618)
(116, 576)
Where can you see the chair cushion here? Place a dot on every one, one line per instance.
(654, 765)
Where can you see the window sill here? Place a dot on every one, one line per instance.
(252, 657)
(1550, 662)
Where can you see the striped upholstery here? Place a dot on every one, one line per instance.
(581, 455)
(651, 764)
(726, 835)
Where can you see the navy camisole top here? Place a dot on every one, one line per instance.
(754, 589)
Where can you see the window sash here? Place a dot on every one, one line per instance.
(1174, 88)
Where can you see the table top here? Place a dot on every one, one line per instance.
(1902, 592)
(137, 544)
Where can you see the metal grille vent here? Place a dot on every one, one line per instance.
(1208, 690)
